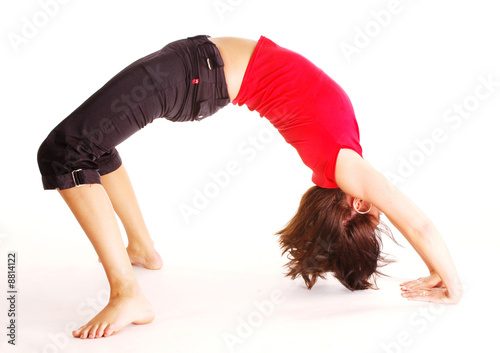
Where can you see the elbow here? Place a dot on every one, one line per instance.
(427, 229)
(423, 229)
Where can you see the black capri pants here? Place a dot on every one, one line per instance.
(184, 81)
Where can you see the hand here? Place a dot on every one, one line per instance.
(423, 283)
(429, 289)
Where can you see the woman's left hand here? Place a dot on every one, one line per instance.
(429, 289)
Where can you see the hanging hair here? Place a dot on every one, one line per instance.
(327, 235)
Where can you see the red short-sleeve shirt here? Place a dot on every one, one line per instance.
(310, 110)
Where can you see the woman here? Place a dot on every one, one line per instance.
(336, 228)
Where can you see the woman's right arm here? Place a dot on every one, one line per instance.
(358, 178)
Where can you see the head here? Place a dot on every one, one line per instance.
(334, 232)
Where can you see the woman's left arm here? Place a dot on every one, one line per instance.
(358, 178)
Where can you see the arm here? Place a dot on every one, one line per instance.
(358, 178)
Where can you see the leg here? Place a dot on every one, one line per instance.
(83, 145)
(127, 304)
(157, 85)
(140, 248)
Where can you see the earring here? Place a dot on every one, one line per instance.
(363, 212)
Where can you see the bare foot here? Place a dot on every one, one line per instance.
(119, 312)
(147, 259)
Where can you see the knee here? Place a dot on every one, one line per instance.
(43, 154)
(49, 156)
(59, 163)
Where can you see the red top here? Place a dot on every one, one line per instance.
(310, 110)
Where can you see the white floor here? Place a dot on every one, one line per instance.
(425, 88)
(227, 305)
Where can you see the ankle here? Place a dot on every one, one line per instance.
(140, 246)
(125, 292)
(124, 287)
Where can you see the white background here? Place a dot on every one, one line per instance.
(427, 58)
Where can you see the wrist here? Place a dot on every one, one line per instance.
(456, 292)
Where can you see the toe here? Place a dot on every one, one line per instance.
(109, 330)
(92, 331)
(100, 330)
(77, 333)
(84, 333)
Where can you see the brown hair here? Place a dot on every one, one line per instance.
(327, 235)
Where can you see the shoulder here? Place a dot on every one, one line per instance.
(358, 178)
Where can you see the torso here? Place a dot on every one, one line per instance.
(236, 53)
(308, 108)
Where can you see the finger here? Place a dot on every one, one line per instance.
(409, 284)
(419, 286)
(435, 295)
(425, 287)
(410, 281)
(418, 280)
(418, 295)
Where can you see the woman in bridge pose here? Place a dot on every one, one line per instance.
(336, 228)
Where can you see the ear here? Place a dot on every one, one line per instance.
(357, 203)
